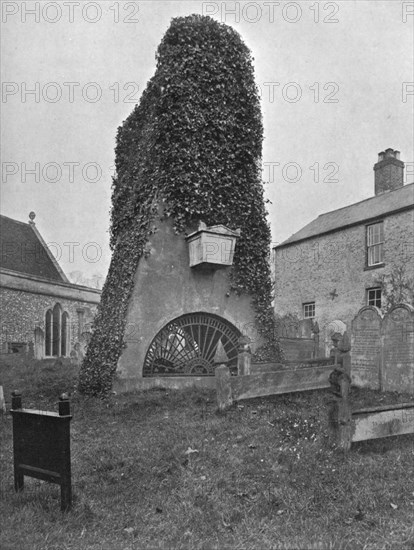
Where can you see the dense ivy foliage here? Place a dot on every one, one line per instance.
(193, 143)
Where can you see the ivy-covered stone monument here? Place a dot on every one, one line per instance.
(188, 177)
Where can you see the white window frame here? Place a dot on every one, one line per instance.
(375, 244)
(373, 301)
(306, 306)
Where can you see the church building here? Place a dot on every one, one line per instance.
(42, 313)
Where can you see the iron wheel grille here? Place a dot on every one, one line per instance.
(188, 346)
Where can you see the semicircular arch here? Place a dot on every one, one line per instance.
(192, 345)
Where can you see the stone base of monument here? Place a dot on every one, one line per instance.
(122, 385)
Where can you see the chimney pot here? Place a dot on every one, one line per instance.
(389, 171)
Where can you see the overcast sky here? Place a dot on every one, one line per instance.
(337, 88)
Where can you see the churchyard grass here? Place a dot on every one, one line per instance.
(162, 469)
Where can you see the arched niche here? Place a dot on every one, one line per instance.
(192, 345)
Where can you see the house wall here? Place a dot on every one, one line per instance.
(310, 270)
(166, 288)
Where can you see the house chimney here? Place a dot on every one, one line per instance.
(389, 172)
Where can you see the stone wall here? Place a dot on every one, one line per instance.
(382, 352)
(296, 349)
(23, 313)
(331, 271)
(166, 288)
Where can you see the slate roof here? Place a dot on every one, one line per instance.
(23, 250)
(374, 207)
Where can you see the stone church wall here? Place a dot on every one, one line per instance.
(24, 312)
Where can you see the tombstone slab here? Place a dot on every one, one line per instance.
(366, 348)
(398, 352)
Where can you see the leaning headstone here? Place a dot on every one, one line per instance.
(76, 355)
(2, 401)
(244, 357)
(223, 387)
(30, 351)
(398, 354)
(366, 348)
(39, 343)
(73, 357)
(339, 412)
(335, 327)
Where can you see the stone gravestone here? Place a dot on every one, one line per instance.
(398, 351)
(336, 326)
(38, 343)
(366, 348)
(76, 355)
(84, 341)
(2, 401)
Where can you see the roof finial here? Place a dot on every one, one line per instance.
(32, 216)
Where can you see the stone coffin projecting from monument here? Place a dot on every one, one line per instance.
(182, 319)
(212, 246)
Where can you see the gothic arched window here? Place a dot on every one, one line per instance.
(65, 334)
(57, 327)
(49, 330)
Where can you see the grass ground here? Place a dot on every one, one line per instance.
(162, 469)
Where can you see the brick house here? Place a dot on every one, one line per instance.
(42, 313)
(331, 267)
